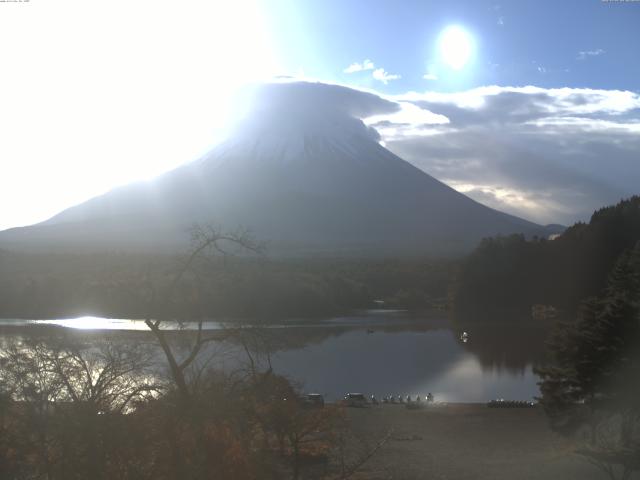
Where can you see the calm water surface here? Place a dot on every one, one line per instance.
(383, 353)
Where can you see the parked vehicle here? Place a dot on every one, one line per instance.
(355, 400)
(501, 403)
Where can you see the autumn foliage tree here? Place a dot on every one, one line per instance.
(74, 407)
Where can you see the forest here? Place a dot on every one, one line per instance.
(116, 285)
(161, 406)
(508, 275)
(501, 279)
(73, 407)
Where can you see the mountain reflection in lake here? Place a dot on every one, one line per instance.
(410, 361)
(383, 355)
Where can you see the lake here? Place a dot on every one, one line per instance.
(377, 352)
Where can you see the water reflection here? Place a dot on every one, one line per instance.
(79, 323)
(510, 348)
(96, 323)
(376, 353)
(405, 362)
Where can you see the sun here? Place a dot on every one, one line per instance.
(456, 46)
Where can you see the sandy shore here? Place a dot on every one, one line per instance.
(466, 441)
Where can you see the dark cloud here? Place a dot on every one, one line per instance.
(513, 106)
(549, 155)
(531, 174)
(505, 107)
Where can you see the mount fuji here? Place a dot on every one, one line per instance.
(304, 174)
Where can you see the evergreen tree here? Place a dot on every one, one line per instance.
(507, 275)
(593, 380)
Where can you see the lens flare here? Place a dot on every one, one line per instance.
(456, 47)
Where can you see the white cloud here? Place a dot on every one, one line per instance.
(501, 21)
(558, 101)
(430, 76)
(359, 67)
(384, 76)
(549, 155)
(377, 73)
(590, 53)
(408, 120)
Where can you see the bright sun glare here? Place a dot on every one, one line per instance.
(456, 47)
(132, 90)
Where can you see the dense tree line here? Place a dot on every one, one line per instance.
(74, 409)
(591, 385)
(115, 285)
(165, 409)
(512, 273)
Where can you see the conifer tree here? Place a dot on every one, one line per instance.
(592, 384)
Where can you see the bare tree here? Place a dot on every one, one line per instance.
(206, 241)
(65, 392)
(106, 375)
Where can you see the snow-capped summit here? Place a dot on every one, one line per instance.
(303, 173)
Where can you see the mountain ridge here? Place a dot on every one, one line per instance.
(307, 180)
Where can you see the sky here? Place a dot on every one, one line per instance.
(531, 107)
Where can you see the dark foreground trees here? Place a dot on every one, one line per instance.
(162, 407)
(65, 403)
(591, 389)
(73, 409)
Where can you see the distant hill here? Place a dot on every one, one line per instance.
(511, 273)
(304, 174)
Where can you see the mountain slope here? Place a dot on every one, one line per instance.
(302, 172)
